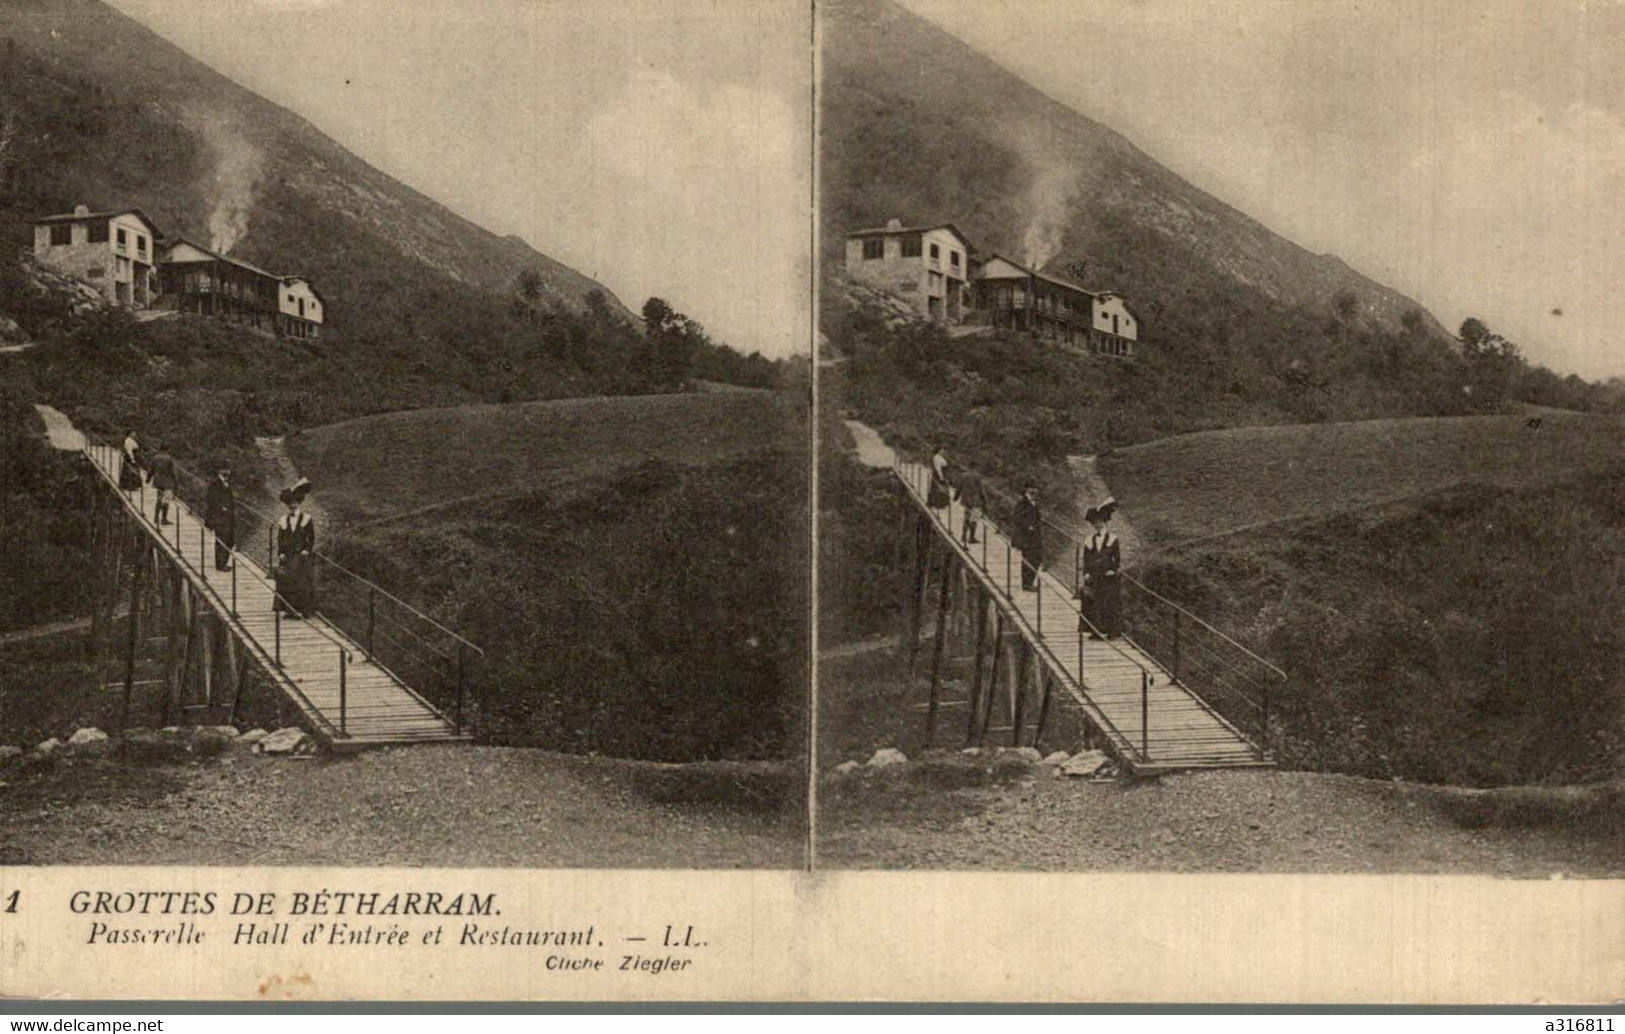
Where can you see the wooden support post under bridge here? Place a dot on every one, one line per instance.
(937, 648)
(975, 708)
(922, 564)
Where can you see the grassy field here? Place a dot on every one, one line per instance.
(1197, 486)
(387, 466)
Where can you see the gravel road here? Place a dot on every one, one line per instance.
(1240, 821)
(417, 806)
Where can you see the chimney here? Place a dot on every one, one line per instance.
(80, 211)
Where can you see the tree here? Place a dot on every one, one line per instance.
(672, 344)
(529, 291)
(1493, 363)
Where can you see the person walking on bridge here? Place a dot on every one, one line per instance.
(974, 499)
(938, 495)
(220, 516)
(296, 561)
(129, 470)
(165, 480)
(1102, 589)
(1029, 536)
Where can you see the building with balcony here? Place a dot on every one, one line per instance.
(197, 280)
(115, 252)
(1007, 294)
(926, 266)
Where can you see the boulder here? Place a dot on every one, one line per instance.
(228, 731)
(846, 768)
(252, 737)
(1058, 757)
(49, 746)
(8, 752)
(285, 741)
(1027, 754)
(971, 751)
(885, 757)
(1086, 763)
(85, 737)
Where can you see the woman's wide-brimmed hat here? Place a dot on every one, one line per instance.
(1108, 508)
(1092, 514)
(286, 496)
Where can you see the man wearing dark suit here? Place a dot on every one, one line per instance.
(220, 516)
(1029, 536)
(165, 480)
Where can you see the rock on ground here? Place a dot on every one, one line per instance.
(1085, 763)
(285, 741)
(252, 736)
(49, 746)
(886, 757)
(847, 768)
(87, 736)
(8, 752)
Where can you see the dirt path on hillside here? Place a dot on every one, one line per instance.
(1092, 489)
(413, 806)
(872, 449)
(274, 451)
(59, 430)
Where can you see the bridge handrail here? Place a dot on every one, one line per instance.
(104, 469)
(1071, 604)
(349, 573)
(1159, 596)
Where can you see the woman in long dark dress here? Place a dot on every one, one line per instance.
(1102, 578)
(296, 561)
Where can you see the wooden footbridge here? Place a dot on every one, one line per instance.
(364, 670)
(1170, 693)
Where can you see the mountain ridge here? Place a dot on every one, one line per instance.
(112, 114)
(1022, 172)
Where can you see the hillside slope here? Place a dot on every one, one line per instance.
(919, 126)
(111, 115)
(1214, 483)
(385, 466)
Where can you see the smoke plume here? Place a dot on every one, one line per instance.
(1049, 196)
(235, 166)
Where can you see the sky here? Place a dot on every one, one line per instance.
(658, 146)
(1470, 155)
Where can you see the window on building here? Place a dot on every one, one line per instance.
(140, 245)
(911, 246)
(98, 232)
(61, 234)
(874, 247)
(936, 252)
(121, 240)
(953, 259)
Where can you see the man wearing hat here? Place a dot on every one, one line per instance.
(220, 517)
(1029, 536)
(1102, 589)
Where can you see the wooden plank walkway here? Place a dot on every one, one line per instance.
(1166, 728)
(378, 708)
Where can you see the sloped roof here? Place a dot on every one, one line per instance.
(216, 255)
(1069, 285)
(74, 218)
(914, 229)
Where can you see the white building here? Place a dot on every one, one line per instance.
(927, 266)
(1010, 295)
(116, 252)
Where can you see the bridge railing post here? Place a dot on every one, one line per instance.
(275, 610)
(234, 586)
(1176, 646)
(462, 667)
(1007, 561)
(344, 697)
(1145, 715)
(372, 619)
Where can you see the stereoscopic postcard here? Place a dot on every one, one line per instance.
(775, 500)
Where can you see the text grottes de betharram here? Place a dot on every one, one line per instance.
(366, 919)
